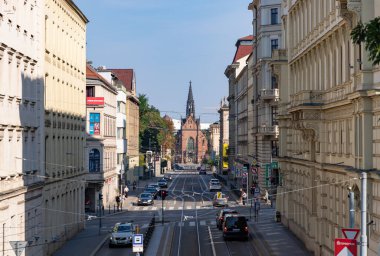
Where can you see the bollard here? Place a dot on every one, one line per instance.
(109, 208)
(114, 208)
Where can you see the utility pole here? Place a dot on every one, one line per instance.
(363, 237)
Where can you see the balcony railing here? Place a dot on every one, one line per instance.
(269, 130)
(269, 94)
(307, 98)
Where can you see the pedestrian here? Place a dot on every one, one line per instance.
(253, 189)
(134, 185)
(244, 197)
(126, 190)
(118, 202)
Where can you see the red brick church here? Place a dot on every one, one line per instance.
(191, 143)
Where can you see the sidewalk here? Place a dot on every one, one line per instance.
(90, 240)
(270, 236)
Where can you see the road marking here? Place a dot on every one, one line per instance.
(198, 207)
(136, 209)
(145, 226)
(213, 222)
(192, 223)
(171, 208)
(189, 207)
(154, 208)
(180, 208)
(212, 242)
(145, 208)
(202, 223)
(181, 224)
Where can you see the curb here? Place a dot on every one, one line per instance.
(100, 245)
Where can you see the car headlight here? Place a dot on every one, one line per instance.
(111, 238)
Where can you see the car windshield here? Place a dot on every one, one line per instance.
(123, 228)
(229, 212)
(215, 182)
(162, 181)
(236, 222)
(146, 196)
(150, 190)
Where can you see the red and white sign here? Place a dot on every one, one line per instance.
(95, 101)
(350, 233)
(345, 247)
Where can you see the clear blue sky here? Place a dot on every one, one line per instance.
(168, 43)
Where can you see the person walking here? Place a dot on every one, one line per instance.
(126, 190)
(244, 197)
(118, 202)
(134, 185)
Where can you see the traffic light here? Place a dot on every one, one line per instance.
(163, 194)
(100, 197)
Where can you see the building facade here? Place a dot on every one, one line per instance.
(22, 137)
(65, 122)
(191, 142)
(128, 79)
(329, 122)
(268, 37)
(214, 140)
(101, 151)
(237, 74)
(224, 136)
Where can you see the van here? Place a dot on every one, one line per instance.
(235, 226)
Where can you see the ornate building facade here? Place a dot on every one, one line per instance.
(224, 136)
(329, 122)
(65, 122)
(22, 167)
(191, 145)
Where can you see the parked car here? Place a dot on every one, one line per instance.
(215, 185)
(220, 199)
(202, 172)
(121, 234)
(220, 216)
(162, 183)
(153, 191)
(145, 199)
(235, 226)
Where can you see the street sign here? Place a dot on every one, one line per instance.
(345, 247)
(137, 243)
(350, 233)
(18, 246)
(219, 195)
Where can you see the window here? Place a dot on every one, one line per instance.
(274, 83)
(121, 133)
(273, 16)
(274, 44)
(120, 158)
(190, 145)
(274, 115)
(94, 160)
(275, 148)
(90, 91)
(121, 107)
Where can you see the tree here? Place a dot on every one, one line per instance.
(369, 33)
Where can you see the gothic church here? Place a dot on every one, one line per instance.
(191, 142)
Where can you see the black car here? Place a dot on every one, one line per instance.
(202, 172)
(145, 199)
(168, 177)
(235, 226)
(220, 216)
(162, 183)
(152, 191)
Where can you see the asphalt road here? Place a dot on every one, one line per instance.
(188, 208)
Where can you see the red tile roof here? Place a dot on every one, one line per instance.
(92, 74)
(125, 76)
(243, 50)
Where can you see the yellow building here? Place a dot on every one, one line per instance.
(329, 114)
(65, 122)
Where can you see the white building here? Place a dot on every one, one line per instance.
(267, 37)
(22, 137)
(214, 140)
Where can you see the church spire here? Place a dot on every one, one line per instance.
(190, 109)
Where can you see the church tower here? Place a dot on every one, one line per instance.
(190, 109)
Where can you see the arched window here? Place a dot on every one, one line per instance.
(190, 144)
(94, 160)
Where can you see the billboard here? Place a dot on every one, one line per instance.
(225, 156)
(94, 124)
(95, 101)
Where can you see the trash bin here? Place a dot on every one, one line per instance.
(278, 216)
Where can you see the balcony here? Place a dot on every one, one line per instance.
(269, 130)
(95, 177)
(307, 99)
(279, 55)
(269, 94)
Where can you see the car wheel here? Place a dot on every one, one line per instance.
(110, 245)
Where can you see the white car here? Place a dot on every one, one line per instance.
(215, 185)
(220, 199)
(121, 234)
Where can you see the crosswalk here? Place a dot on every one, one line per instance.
(194, 223)
(170, 208)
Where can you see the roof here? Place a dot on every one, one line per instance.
(92, 74)
(125, 76)
(243, 49)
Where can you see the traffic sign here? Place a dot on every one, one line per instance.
(350, 233)
(345, 247)
(137, 242)
(18, 246)
(218, 195)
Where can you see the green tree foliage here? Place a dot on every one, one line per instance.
(369, 34)
(155, 131)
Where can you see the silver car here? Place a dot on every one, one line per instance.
(121, 234)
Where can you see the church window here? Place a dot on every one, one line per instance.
(190, 144)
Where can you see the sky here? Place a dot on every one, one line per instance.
(168, 43)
